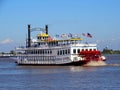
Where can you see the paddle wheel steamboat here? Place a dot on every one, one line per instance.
(46, 50)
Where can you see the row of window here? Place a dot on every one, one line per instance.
(76, 51)
(43, 38)
(49, 43)
(38, 58)
(63, 52)
(59, 52)
(53, 43)
(38, 52)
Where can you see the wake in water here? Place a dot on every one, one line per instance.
(113, 64)
(99, 63)
(96, 63)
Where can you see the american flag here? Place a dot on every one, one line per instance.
(70, 35)
(63, 36)
(83, 34)
(50, 38)
(89, 35)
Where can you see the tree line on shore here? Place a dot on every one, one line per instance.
(12, 52)
(110, 51)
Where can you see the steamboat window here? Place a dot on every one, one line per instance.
(32, 52)
(45, 51)
(86, 49)
(78, 50)
(36, 52)
(26, 52)
(90, 49)
(39, 44)
(74, 50)
(60, 52)
(42, 51)
(50, 52)
(65, 51)
(68, 51)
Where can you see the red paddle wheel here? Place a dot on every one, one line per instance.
(91, 55)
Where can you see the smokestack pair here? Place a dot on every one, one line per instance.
(29, 34)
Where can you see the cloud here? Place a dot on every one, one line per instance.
(6, 41)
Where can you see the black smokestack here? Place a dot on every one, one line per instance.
(46, 28)
(29, 43)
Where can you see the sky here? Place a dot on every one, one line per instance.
(100, 18)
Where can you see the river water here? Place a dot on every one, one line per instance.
(14, 77)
